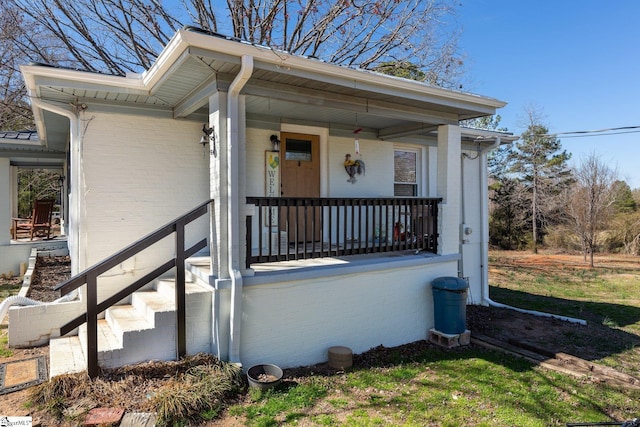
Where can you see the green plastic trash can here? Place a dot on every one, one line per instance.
(450, 304)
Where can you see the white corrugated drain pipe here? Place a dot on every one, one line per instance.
(233, 207)
(484, 247)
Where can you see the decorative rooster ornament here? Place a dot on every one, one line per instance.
(353, 168)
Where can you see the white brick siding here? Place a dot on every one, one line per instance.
(140, 172)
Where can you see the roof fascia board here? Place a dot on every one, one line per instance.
(52, 76)
(33, 92)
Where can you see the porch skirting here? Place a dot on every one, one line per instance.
(292, 317)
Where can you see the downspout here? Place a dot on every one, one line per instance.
(484, 245)
(75, 148)
(233, 207)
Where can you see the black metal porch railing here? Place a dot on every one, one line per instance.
(90, 277)
(290, 228)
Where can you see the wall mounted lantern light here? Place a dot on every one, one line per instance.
(275, 143)
(209, 137)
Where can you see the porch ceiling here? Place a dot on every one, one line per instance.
(282, 87)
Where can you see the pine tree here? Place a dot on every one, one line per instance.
(540, 165)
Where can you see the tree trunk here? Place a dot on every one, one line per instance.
(534, 214)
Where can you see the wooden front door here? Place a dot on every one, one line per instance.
(300, 177)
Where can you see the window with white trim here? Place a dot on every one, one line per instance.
(405, 172)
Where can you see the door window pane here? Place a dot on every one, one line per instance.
(298, 149)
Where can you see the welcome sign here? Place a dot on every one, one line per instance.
(272, 180)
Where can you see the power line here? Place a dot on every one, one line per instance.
(599, 132)
(636, 128)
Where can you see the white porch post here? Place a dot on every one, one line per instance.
(219, 189)
(6, 192)
(219, 229)
(449, 187)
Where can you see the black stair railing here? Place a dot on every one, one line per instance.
(90, 277)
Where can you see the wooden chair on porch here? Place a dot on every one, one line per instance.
(39, 223)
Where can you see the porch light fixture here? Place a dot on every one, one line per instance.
(275, 143)
(60, 181)
(209, 137)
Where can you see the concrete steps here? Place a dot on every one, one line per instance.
(143, 330)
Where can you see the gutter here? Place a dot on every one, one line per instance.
(484, 245)
(233, 206)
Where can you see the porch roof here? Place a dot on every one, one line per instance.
(283, 87)
(23, 149)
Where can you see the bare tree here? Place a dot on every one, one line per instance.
(120, 36)
(14, 110)
(591, 201)
(117, 36)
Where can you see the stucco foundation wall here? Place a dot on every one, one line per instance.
(294, 323)
(139, 173)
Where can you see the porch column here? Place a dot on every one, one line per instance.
(449, 188)
(218, 185)
(219, 230)
(6, 193)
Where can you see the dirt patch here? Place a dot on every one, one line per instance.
(47, 274)
(590, 342)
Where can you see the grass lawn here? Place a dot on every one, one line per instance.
(474, 386)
